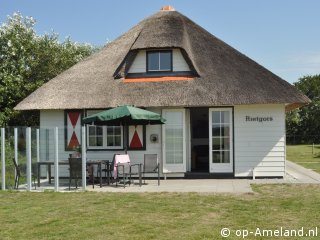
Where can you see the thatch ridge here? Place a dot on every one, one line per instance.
(225, 76)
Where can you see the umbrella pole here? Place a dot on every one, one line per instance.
(126, 135)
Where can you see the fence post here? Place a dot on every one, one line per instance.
(38, 145)
(28, 146)
(312, 148)
(3, 159)
(56, 160)
(84, 157)
(16, 144)
(15, 148)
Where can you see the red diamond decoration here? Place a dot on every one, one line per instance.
(135, 142)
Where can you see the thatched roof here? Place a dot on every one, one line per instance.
(225, 76)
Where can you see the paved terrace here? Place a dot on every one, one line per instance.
(295, 175)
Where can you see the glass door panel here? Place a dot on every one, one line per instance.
(174, 140)
(221, 152)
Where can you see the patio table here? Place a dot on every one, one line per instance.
(48, 164)
(99, 170)
(66, 162)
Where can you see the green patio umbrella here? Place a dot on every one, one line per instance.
(125, 115)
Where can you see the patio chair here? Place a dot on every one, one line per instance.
(75, 170)
(108, 170)
(18, 175)
(151, 165)
(123, 169)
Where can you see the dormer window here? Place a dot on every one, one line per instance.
(159, 61)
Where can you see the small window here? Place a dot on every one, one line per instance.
(95, 136)
(159, 61)
(104, 137)
(114, 136)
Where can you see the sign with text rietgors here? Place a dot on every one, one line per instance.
(259, 119)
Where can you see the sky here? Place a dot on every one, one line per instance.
(281, 35)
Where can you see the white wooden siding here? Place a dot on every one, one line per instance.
(259, 145)
(139, 64)
(178, 62)
(48, 121)
(51, 119)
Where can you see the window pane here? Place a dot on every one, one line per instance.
(174, 137)
(216, 143)
(165, 61)
(169, 157)
(215, 130)
(225, 157)
(110, 142)
(110, 130)
(153, 61)
(225, 117)
(215, 117)
(225, 131)
(225, 143)
(117, 141)
(216, 157)
(99, 141)
(178, 157)
(99, 130)
(92, 130)
(178, 132)
(117, 130)
(92, 141)
(178, 143)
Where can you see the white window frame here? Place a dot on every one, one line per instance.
(104, 135)
(221, 167)
(174, 167)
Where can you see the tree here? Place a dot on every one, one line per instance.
(304, 122)
(27, 61)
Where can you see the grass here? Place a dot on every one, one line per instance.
(92, 215)
(302, 154)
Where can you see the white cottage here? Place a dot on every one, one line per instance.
(225, 113)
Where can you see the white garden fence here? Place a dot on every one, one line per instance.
(30, 147)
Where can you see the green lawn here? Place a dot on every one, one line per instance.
(302, 154)
(92, 215)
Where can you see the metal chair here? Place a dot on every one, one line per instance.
(18, 175)
(123, 169)
(108, 170)
(75, 170)
(151, 165)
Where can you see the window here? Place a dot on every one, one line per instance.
(104, 137)
(95, 136)
(221, 127)
(159, 61)
(114, 136)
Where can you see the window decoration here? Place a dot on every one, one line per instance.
(136, 137)
(72, 129)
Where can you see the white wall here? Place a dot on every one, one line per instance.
(259, 145)
(139, 64)
(51, 119)
(178, 62)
